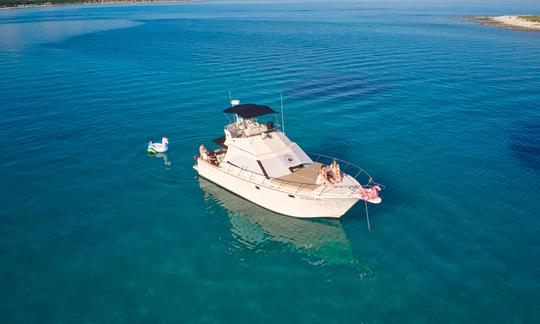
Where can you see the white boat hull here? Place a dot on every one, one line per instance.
(290, 203)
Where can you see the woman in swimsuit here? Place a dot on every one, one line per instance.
(322, 178)
(336, 171)
(203, 152)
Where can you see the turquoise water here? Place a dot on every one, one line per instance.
(444, 112)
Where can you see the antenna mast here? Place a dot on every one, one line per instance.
(282, 117)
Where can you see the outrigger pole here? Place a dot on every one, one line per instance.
(367, 216)
(230, 101)
(282, 117)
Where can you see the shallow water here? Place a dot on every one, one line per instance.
(443, 112)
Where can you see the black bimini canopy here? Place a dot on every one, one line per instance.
(249, 110)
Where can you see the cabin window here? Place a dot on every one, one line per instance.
(263, 170)
(291, 196)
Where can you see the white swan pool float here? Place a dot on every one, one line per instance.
(158, 147)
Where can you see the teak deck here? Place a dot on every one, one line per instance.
(307, 177)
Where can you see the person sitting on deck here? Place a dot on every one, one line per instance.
(330, 175)
(203, 152)
(322, 178)
(207, 155)
(212, 158)
(336, 171)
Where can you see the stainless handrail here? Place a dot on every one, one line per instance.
(331, 158)
(370, 183)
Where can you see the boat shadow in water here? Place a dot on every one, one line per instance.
(318, 241)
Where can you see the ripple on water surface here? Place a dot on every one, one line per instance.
(442, 112)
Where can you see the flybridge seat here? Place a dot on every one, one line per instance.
(255, 129)
(246, 125)
(249, 127)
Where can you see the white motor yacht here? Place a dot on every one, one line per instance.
(258, 162)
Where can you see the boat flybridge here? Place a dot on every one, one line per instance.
(259, 163)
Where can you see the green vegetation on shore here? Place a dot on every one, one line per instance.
(531, 18)
(17, 3)
(31, 3)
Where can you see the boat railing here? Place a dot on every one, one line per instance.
(349, 168)
(356, 172)
(359, 174)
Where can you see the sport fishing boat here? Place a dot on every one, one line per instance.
(258, 162)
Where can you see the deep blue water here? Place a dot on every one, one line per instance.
(444, 112)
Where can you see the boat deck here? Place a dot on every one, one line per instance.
(305, 177)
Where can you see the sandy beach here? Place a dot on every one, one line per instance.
(523, 22)
(517, 21)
